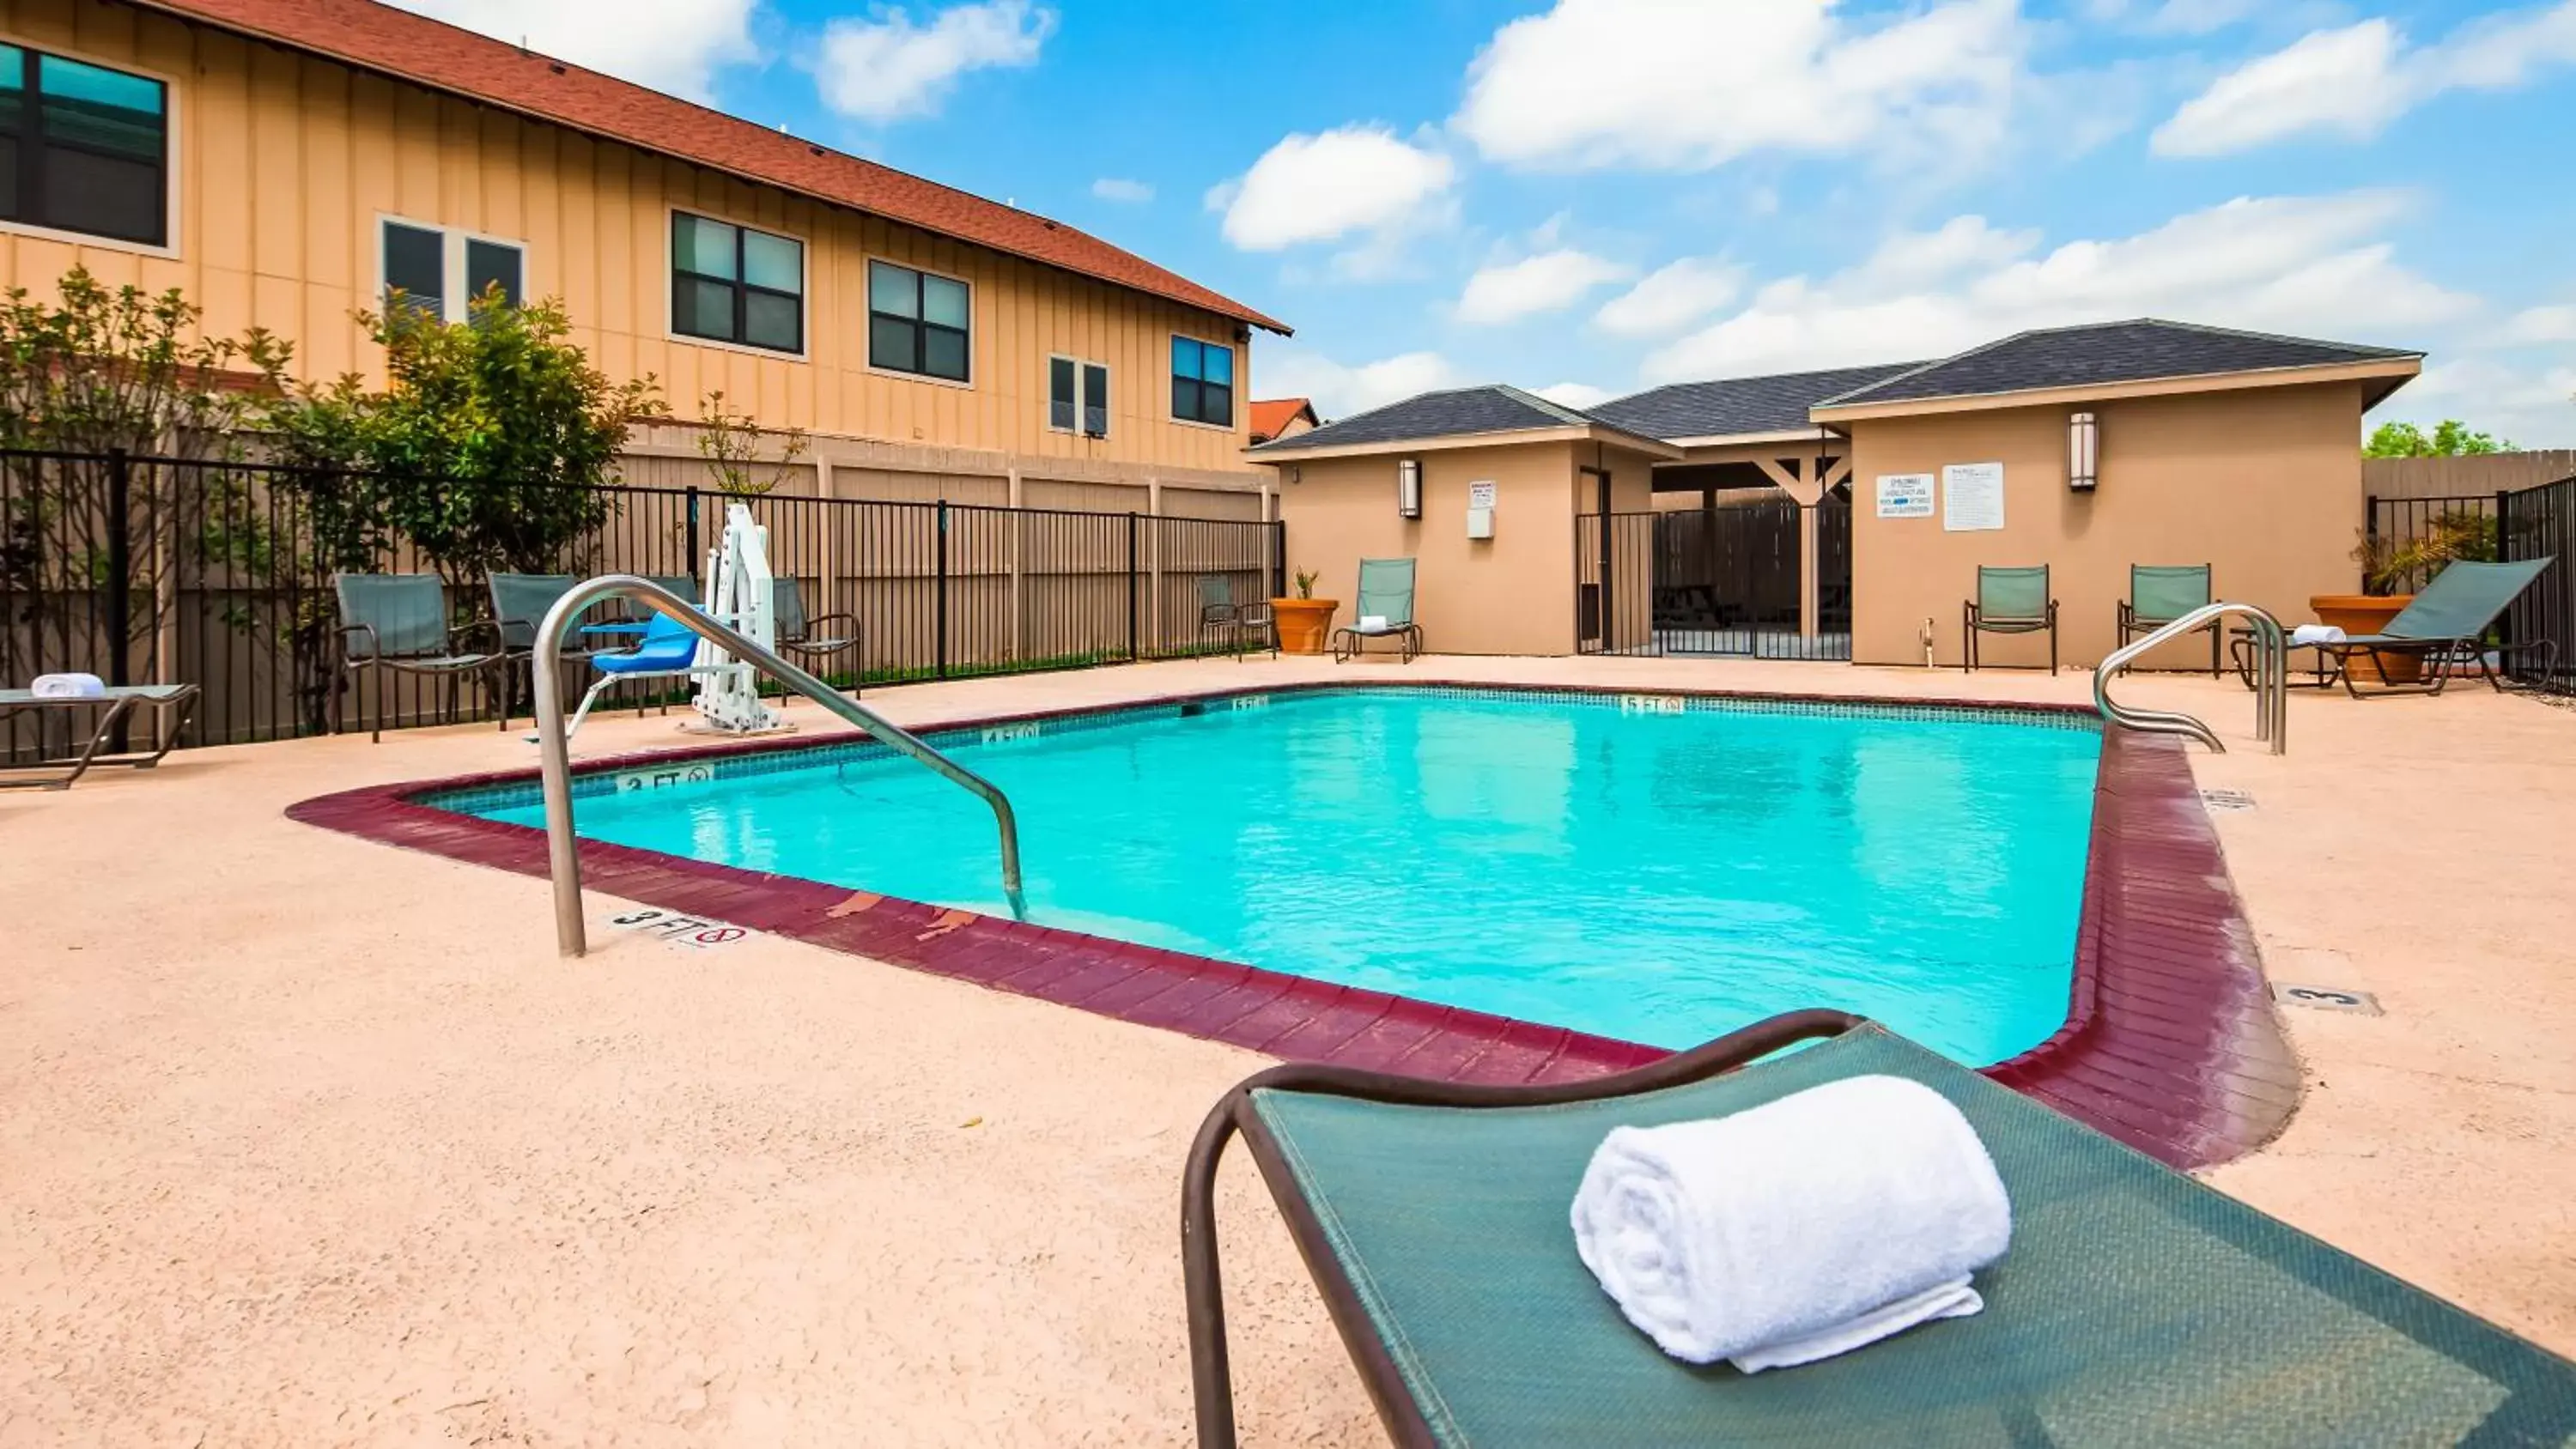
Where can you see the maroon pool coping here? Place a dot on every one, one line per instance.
(2169, 1045)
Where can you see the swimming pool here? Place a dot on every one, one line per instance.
(1657, 869)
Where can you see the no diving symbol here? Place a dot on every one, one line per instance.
(680, 929)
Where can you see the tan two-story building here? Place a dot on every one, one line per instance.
(288, 163)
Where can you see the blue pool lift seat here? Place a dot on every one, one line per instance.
(666, 650)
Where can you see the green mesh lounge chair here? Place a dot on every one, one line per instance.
(2446, 626)
(1386, 592)
(398, 624)
(2162, 593)
(519, 605)
(2011, 601)
(810, 641)
(172, 706)
(1236, 622)
(2135, 1307)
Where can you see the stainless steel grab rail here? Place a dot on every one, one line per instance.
(2271, 680)
(555, 750)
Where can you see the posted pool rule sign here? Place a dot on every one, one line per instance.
(1972, 497)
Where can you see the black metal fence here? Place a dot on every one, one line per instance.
(2541, 523)
(1726, 580)
(2409, 539)
(142, 569)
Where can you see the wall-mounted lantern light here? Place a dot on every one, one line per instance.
(2083, 452)
(1408, 487)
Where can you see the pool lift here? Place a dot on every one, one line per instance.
(740, 591)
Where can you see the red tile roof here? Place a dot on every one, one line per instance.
(398, 43)
(1269, 415)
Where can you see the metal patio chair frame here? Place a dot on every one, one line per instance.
(2149, 584)
(119, 703)
(1977, 618)
(1219, 610)
(426, 648)
(2135, 1301)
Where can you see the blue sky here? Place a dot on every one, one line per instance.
(1591, 196)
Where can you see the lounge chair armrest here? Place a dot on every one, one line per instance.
(375, 641)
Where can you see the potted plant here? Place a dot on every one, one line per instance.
(2386, 563)
(1304, 621)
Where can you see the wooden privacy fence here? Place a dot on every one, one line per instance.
(143, 569)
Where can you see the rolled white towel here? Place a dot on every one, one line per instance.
(1796, 1230)
(1372, 621)
(2315, 634)
(67, 686)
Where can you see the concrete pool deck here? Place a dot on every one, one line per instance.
(310, 1140)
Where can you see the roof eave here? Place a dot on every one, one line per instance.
(1288, 450)
(2399, 367)
(1232, 311)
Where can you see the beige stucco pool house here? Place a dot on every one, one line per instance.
(1845, 514)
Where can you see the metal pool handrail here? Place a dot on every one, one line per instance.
(2271, 680)
(555, 752)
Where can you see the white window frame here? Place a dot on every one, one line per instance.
(452, 300)
(170, 162)
(867, 323)
(1238, 408)
(804, 287)
(1081, 401)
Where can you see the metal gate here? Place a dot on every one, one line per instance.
(1717, 581)
(2541, 523)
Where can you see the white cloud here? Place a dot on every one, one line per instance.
(2530, 407)
(1672, 297)
(2543, 324)
(2293, 264)
(2353, 81)
(670, 45)
(1312, 188)
(1577, 394)
(1339, 391)
(1120, 189)
(889, 67)
(1687, 84)
(1548, 282)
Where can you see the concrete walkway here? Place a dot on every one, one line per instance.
(304, 1140)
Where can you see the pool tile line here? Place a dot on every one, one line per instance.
(2169, 1044)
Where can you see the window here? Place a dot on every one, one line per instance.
(83, 148)
(1087, 408)
(916, 322)
(440, 272)
(732, 284)
(1202, 382)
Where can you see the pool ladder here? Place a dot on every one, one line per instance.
(555, 750)
(2271, 680)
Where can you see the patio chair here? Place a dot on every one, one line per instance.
(399, 624)
(519, 605)
(814, 640)
(2445, 627)
(1386, 595)
(2135, 1305)
(1219, 611)
(2011, 601)
(172, 705)
(2162, 593)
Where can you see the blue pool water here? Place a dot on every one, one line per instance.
(1658, 877)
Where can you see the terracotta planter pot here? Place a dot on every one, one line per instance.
(2368, 614)
(1304, 624)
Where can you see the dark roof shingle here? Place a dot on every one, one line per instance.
(1731, 407)
(2104, 353)
(1454, 412)
(395, 42)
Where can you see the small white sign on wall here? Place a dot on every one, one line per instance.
(1480, 494)
(1905, 495)
(1972, 497)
